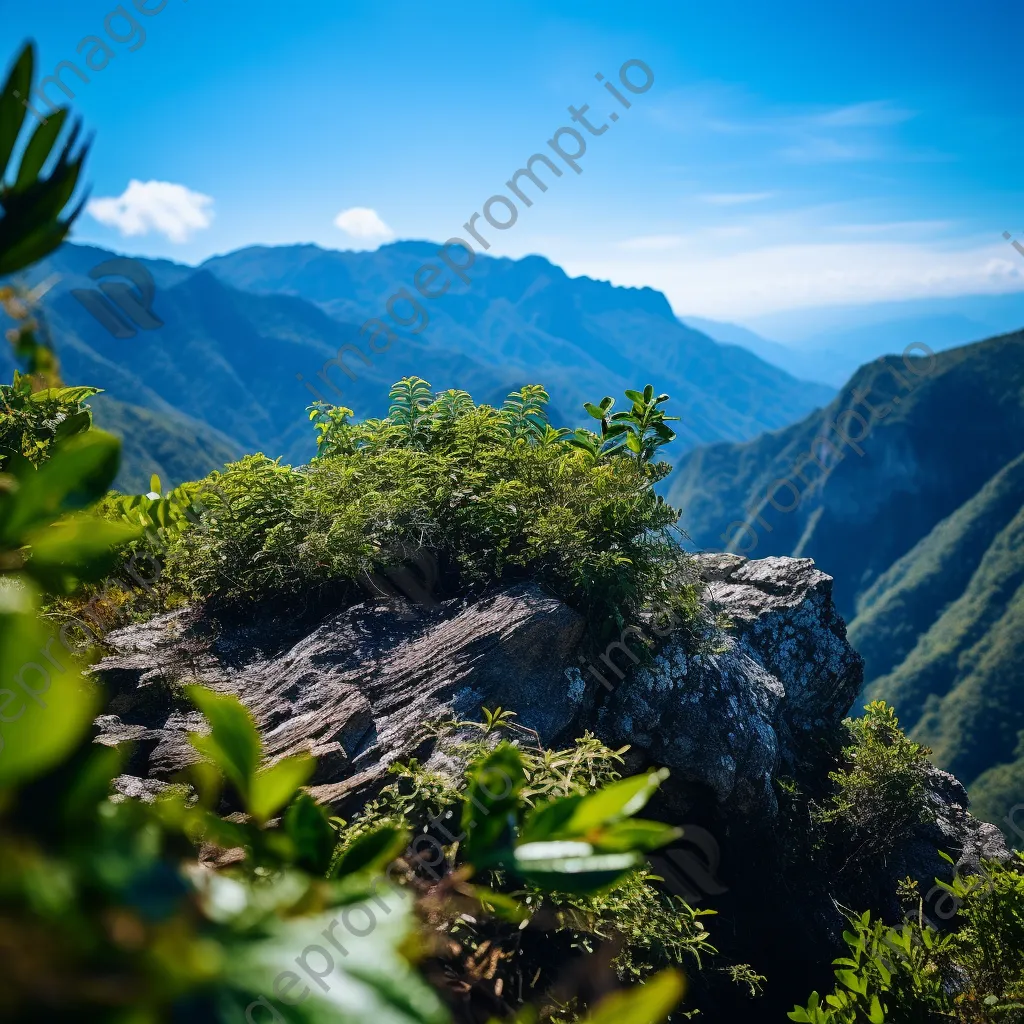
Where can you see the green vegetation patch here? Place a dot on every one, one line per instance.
(490, 495)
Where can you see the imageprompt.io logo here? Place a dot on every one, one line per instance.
(121, 309)
(689, 866)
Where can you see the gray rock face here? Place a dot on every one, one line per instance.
(359, 692)
(954, 829)
(784, 618)
(728, 719)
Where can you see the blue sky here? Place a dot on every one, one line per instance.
(787, 155)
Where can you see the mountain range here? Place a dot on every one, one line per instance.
(917, 510)
(829, 343)
(906, 486)
(248, 340)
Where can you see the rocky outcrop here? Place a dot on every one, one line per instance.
(728, 718)
(360, 691)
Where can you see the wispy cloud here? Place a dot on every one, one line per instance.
(735, 198)
(171, 210)
(822, 150)
(899, 227)
(363, 223)
(805, 133)
(863, 115)
(652, 243)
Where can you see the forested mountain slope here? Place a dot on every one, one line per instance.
(917, 509)
(858, 498)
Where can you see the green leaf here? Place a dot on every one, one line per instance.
(76, 423)
(307, 825)
(876, 1014)
(636, 835)
(274, 787)
(48, 708)
(613, 803)
(12, 112)
(79, 474)
(233, 744)
(853, 981)
(76, 549)
(491, 805)
(572, 867)
(66, 396)
(548, 820)
(366, 979)
(373, 851)
(38, 149)
(649, 1003)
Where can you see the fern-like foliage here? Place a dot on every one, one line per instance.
(410, 410)
(450, 406)
(524, 412)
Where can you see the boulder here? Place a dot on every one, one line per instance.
(728, 715)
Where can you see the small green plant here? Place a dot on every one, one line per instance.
(452, 405)
(879, 790)
(33, 422)
(499, 718)
(641, 430)
(524, 412)
(334, 429)
(410, 411)
(914, 974)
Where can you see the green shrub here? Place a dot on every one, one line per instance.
(879, 792)
(495, 495)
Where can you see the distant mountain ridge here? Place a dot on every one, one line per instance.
(247, 337)
(579, 337)
(829, 343)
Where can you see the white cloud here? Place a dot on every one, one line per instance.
(902, 227)
(735, 198)
(171, 210)
(363, 223)
(790, 276)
